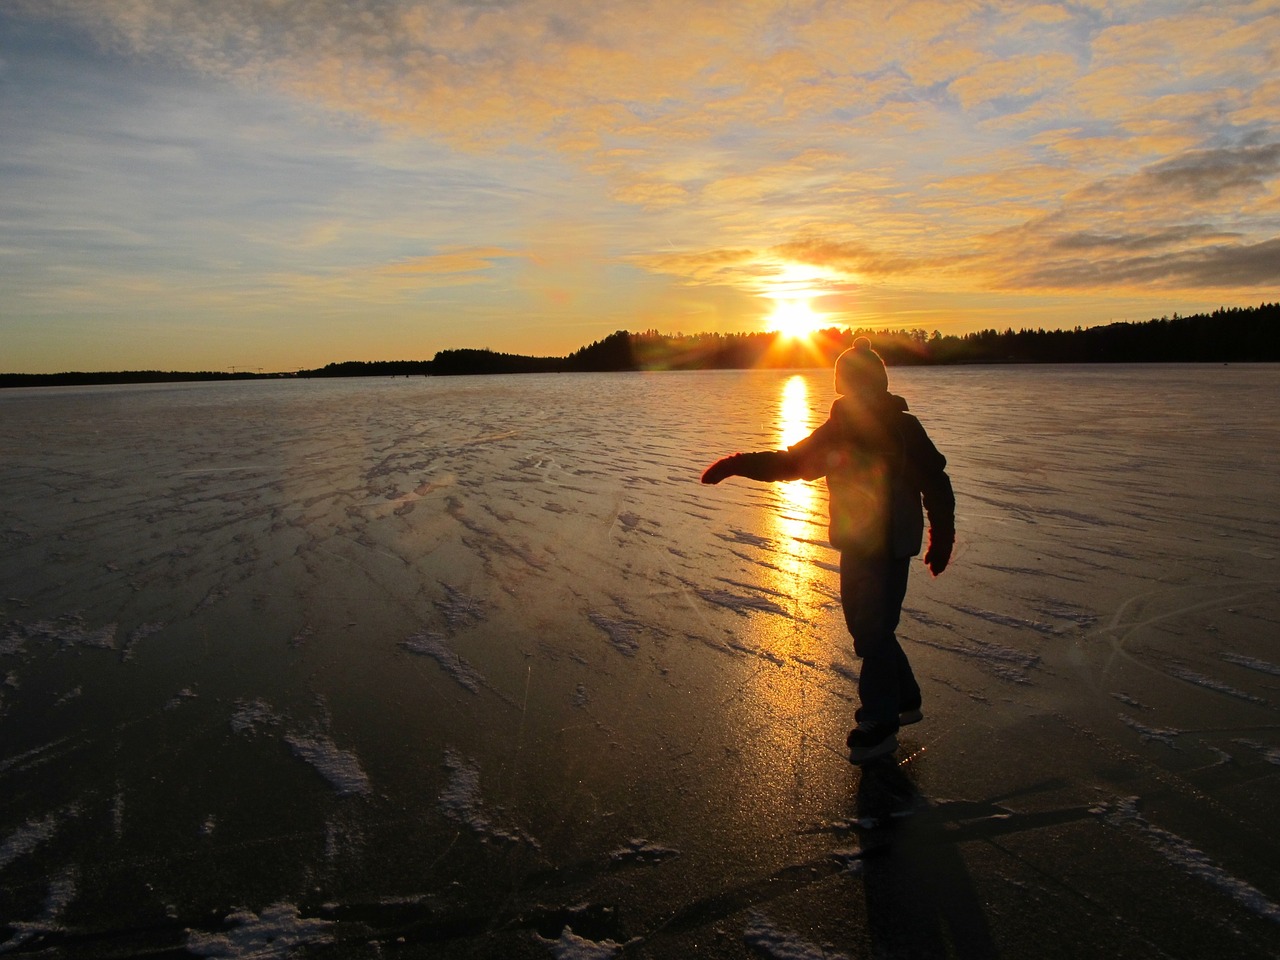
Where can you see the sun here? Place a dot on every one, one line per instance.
(795, 319)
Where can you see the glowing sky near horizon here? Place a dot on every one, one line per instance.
(188, 184)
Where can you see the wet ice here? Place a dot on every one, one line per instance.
(446, 665)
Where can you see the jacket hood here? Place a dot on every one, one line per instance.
(852, 407)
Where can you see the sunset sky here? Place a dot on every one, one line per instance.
(200, 184)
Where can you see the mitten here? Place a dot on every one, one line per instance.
(722, 468)
(938, 555)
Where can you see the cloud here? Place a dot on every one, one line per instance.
(1080, 243)
(569, 73)
(1225, 266)
(1208, 175)
(1205, 185)
(652, 193)
(1202, 219)
(371, 151)
(851, 259)
(804, 268)
(718, 267)
(1018, 77)
(449, 263)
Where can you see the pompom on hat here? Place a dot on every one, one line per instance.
(859, 370)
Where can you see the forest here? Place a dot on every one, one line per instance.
(1236, 335)
(1227, 335)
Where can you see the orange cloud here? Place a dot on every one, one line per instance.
(449, 263)
(941, 144)
(1015, 77)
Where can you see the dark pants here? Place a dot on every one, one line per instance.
(871, 591)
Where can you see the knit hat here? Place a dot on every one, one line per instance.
(860, 370)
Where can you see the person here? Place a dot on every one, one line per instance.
(881, 468)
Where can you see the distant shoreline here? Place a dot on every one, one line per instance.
(1236, 335)
(145, 378)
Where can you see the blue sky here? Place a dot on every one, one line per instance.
(188, 184)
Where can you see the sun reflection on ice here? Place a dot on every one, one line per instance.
(793, 520)
(793, 413)
(784, 706)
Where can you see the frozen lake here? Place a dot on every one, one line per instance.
(475, 667)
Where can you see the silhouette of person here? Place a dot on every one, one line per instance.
(881, 467)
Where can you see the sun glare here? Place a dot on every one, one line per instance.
(795, 319)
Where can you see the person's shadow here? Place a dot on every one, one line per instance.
(919, 895)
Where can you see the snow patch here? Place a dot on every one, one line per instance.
(1188, 858)
(1270, 754)
(273, 934)
(70, 695)
(750, 539)
(26, 838)
(570, 946)
(1208, 683)
(852, 860)
(1128, 701)
(433, 645)
(340, 767)
(642, 851)
(460, 609)
(741, 605)
(461, 802)
(181, 697)
(768, 941)
(1004, 620)
(1249, 663)
(137, 635)
(621, 633)
(68, 630)
(629, 520)
(1005, 663)
(62, 891)
(250, 715)
(1150, 734)
(117, 812)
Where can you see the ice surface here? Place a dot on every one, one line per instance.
(476, 667)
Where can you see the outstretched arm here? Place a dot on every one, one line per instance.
(805, 460)
(769, 466)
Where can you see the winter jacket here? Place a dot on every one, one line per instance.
(881, 467)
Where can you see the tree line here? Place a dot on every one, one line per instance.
(1227, 335)
(98, 378)
(1234, 335)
